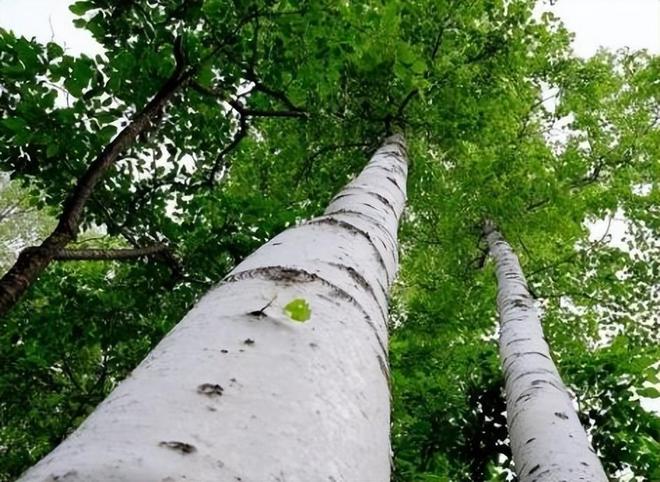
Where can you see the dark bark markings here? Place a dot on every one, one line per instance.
(290, 275)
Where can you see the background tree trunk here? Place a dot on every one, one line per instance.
(547, 440)
(241, 391)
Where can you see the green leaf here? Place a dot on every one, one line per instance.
(298, 310)
(52, 149)
(405, 54)
(81, 74)
(79, 8)
(27, 53)
(212, 7)
(648, 392)
(54, 51)
(418, 66)
(205, 76)
(14, 124)
(107, 133)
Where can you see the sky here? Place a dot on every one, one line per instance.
(609, 23)
(47, 20)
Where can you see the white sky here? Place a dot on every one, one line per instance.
(610, 23)
(47, 20)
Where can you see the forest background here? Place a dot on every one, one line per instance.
(586, 229)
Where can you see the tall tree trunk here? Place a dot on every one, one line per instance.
(547, 440)
(242, 391)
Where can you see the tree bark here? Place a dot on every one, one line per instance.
(99, 254)
(547, 440)
(239, 390)
(32, 262)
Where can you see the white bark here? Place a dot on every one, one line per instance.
(547, 440)
(238, 391)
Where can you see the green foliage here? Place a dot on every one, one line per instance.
(23, 220)
(464, 82)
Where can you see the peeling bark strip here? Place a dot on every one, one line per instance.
(545, 431)
(241, 391)
(33, 261)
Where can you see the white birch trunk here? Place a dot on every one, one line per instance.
(547, 440)
(239, 391)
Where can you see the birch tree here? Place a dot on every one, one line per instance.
(599, 299)
(547, 440)
(278, 373)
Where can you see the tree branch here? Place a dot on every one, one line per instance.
(241, 109)
(275, 94)
(309, 162)
(220, 161)
(108, 254)
(245, 111)
(599, 242)
(31, 263)
(100, 254)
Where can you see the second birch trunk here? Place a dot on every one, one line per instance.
(547, 440)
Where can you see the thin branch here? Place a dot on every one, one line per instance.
(101, 254)
(480, 261)
(108, 254)
(66, 369)
(415, 92)
(238, 107)
(601, 161)
(220, 161)
(275, 94)
(244, 111)
(411, 95)
(166, 256)
(120, 227)
(537, 204)
(309, 162)
(249, 69)
(524, 247)
(573, 255)
(528, 117)
(575, 294)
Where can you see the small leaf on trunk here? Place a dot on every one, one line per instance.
(298, 310)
